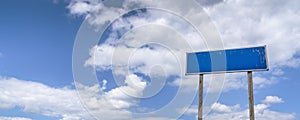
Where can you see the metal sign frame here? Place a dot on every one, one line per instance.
(232, 71)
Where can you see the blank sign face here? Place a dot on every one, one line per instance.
(231, 60)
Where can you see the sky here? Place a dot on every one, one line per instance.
(125, 59)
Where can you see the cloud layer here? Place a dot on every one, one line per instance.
(64, 103)
(262, 111)
(240, 23)
(14, 118)
(274, 23)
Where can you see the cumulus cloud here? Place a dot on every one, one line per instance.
(243, 23)
(262, 112)
(239, 81)
(83, 8)
(64, 103)
(232, 81)
(99, 12)
(133, 59)
(240, 22)
(151, 36)
(14, 118)
(121, 97)
(155, 118)
(272, 99)
(38, 98)
(251, 23)
(249, 29)
(33, 97)
(189, 83)
(221, 111)
(209, 2)
(218, 107)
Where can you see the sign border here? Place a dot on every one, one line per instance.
(232, 71)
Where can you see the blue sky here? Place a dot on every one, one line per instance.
(36, 53)
(37, 40)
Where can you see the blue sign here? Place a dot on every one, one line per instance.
(230, 60)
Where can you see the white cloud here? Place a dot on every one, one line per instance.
(242, 28)
(272, 99)
(98, 12)
(115, 101)
(248, 23)
(189, 83)
(33, 97)
(243, 23)
(83, 8)
(121, 97)
(221, 111)
(155, 118)
(260, 82)
(277, 72)
(262, 112)
(232, 81)
(220, 108)
(37, 98)
(104, 82)
(133, 59)
(192, 110)
(14, 118)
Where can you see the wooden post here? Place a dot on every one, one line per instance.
(251, 100)
(200, 97)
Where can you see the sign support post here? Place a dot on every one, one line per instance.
(250, 91)
(200, 104)
(237, 60)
